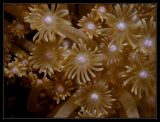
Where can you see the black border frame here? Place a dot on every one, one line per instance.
(80, 1)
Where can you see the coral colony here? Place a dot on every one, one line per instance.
(100, 63)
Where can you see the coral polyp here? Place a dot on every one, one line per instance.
(49, 59)
(101, 10)
(15, 68)
(18, 28)
(91, 26)
(140, 77)
(46, 21)
(148, 38)
(97, 97)
(111, 52)
(144, 11)
(59, 89)
(121, 27)
(82, 62)
(86, 114)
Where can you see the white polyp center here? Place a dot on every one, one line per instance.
(60, 89)
(81, 58)
(25, 62)
(143, 74)
(49, 55)
(135, 18)
(91, 26)
(15, 70)
(113, 48)
(102, 9)
(48, 20)
(147, 43)
(133, 55)
(65, 44)
(20, 26)
(94, 96)
(39, 82)
(121, 26)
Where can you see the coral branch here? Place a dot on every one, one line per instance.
(32, 100)
(26, 44)
(129, 104)
(16, 10)
(73, 33)
(67, 108)
(16, 50)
